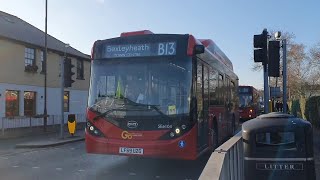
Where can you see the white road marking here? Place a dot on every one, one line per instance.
(72, 148)
(132, 174)
(15, 166)
(157, 177)
(58, 169)
(80, 170)
(35, 167)
(4, 158)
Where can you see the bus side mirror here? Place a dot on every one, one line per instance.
(199, 49)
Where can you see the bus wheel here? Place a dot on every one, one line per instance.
(214, 136)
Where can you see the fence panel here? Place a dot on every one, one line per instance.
(23, 125)
(226, 162)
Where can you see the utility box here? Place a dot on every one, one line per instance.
(278, 146)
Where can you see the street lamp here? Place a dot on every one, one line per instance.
(277, 35)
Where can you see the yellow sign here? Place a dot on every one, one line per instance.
(126, 135)
(172, 110)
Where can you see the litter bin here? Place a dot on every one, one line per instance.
(278, 146)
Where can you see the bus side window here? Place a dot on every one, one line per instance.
(221, 89)
(233, 94)
(213, 85)
(205, 89)
(199, 90)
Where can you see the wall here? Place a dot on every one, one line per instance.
(77, 101)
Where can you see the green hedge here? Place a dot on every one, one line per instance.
(295, 108)
(312, 110)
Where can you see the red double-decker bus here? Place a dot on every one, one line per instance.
(159, 95)
(249, 102)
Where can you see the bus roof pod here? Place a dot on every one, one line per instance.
(134, 33)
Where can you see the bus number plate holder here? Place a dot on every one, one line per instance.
(125, 150)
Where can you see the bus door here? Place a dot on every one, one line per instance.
(201, 107)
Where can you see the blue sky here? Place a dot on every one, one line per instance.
(230, 23)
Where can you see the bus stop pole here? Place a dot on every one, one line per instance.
(62, 96)
(284, 84)
(266, 88)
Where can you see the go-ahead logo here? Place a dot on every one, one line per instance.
(126, 135)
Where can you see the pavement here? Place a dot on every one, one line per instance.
(50, 142)
(37, 140)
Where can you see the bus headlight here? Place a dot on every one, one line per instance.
(171, 134)
(177, 131)
(91, 128)
(250, 110)
(96, 132)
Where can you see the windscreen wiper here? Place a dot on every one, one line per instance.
(104, 113)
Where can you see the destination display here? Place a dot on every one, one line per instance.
(140, 50)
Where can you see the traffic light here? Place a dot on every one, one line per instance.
(274, 59)
(260, 44)
(68, 73)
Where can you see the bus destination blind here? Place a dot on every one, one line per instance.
(140, 50)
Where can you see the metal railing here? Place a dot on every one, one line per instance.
(226, 162)
(30, 124)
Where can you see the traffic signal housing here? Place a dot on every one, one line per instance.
(260, 43)
(68, 73)
(274, 59)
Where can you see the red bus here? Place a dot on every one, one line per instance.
(249, 102)
(159, 95)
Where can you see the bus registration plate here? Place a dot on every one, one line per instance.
(125, 150)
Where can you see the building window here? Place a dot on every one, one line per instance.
(12, 103)
(66, 101)
(29, 57)
(29, 103)
(80, 69)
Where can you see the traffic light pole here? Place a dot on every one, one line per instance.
(284, 83)
(62, 96)
(266, 88)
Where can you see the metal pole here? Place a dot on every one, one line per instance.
(62, 95)
(2, 124)
(284, 49)
(266, 88)
(45, 72)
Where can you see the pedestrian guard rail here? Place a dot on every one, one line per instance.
(226, 162)
(19, 123)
